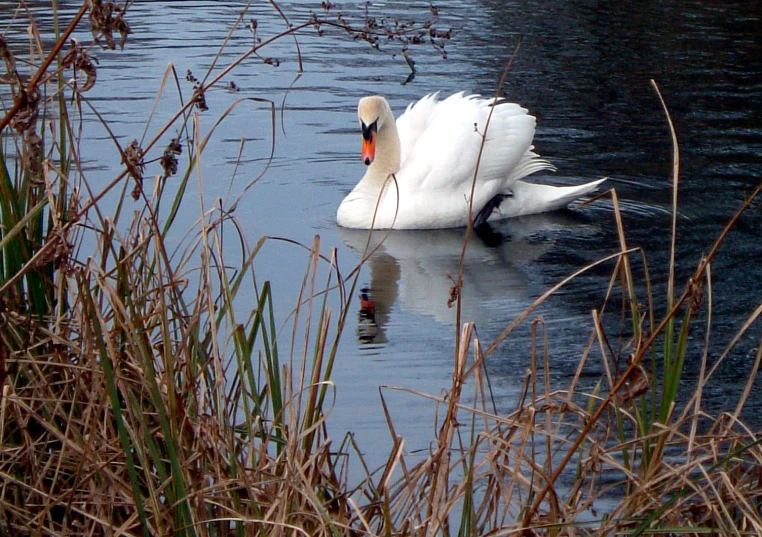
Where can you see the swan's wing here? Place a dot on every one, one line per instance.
(442, 157)
(415, 121)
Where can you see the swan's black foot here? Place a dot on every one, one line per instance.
(490, 237)
(484, 214)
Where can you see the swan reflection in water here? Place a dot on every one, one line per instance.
(417, 270)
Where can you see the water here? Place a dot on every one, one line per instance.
(583, 70)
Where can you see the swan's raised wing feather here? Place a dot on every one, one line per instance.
(414, 122)
(444, 154)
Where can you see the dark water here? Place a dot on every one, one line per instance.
(583, 70)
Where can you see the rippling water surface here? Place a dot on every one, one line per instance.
(583, 70)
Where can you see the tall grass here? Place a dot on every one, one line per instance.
(137, 399)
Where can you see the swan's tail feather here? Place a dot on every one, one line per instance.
(530, 198)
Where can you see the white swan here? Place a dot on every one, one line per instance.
(432, 152)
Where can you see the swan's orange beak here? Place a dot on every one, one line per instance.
(369, 143)
(369, 149)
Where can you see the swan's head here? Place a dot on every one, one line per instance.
(373, 112)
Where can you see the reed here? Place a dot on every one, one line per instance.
(137, 399)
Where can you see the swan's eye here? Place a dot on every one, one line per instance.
(368, 130)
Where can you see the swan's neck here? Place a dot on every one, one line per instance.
(370, 201)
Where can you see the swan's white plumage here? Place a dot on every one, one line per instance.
(439, 144)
